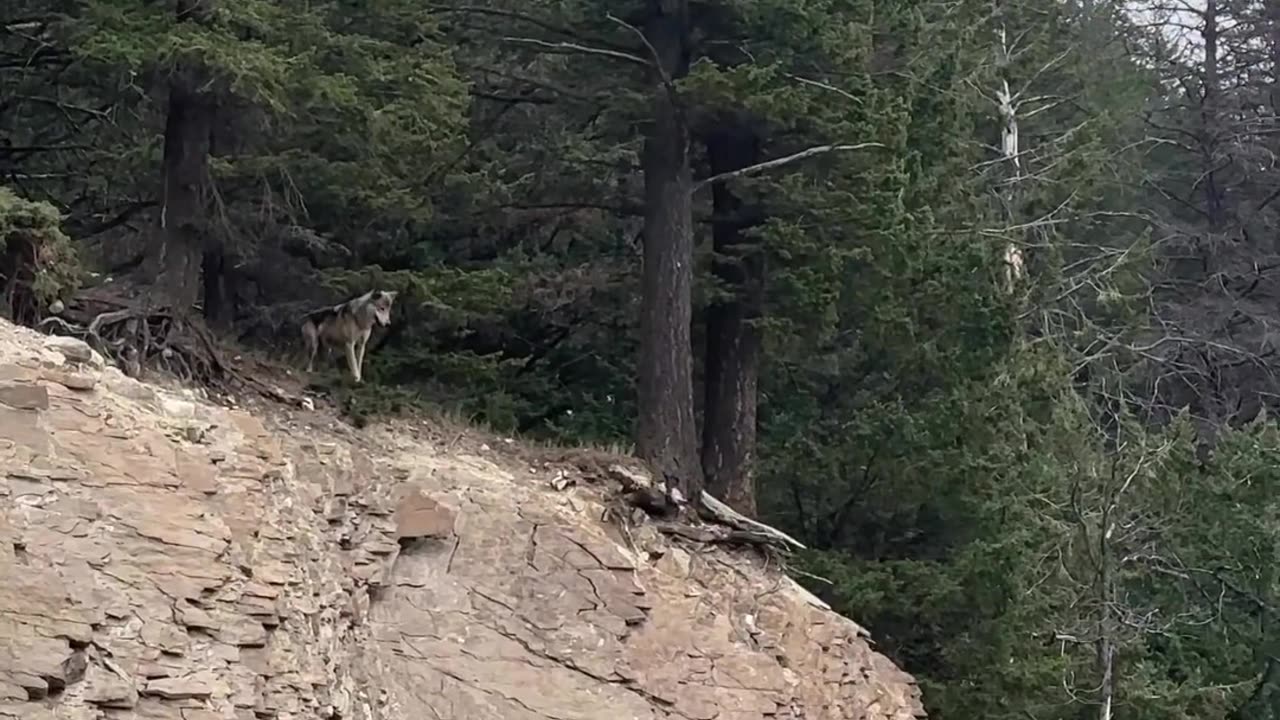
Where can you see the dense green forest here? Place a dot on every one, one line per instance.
(976, 298)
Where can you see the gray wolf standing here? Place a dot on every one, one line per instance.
(349, 325)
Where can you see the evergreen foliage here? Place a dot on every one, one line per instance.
(1052, 502)
(38, 262)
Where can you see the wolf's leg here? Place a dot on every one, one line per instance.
(351, 360)
(313, 345)
(364, 344)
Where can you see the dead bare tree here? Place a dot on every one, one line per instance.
(1213, 192)
(1102, 530)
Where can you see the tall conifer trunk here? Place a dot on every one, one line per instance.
(176, 251)
(666, 436)
(734, 338)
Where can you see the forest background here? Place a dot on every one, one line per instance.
(975, 298)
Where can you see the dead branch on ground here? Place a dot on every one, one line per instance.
(725, 525)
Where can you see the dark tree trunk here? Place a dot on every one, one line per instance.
(219, 296)
(1215, 204)
(1273, 33)
(733, 333)
(176, 252)
(218, 266)
(666, 436)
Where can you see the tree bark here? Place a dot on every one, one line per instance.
(666, 436)
(219, 292)
(734, 338)
(1215, 203)
(1106, 644)
(1273, 37)
(176, 251)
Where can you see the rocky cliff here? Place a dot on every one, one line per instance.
(162, 557)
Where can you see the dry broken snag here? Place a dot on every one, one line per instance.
(260, 573)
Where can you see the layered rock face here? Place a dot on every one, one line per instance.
(165, 558)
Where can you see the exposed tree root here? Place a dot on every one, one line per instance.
(142, 336)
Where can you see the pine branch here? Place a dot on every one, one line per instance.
(538, 22)
(831, 88)
(655, 58)
(512, 99)
(779, 162)
(575, 47)
(668, 84)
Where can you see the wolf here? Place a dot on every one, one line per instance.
(348, 324)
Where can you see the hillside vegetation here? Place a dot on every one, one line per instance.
(974, 299)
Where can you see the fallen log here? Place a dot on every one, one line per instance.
(712, 509)
(639, 491)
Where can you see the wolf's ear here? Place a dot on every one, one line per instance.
(390, 294)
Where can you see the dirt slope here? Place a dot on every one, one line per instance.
(165, 558)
